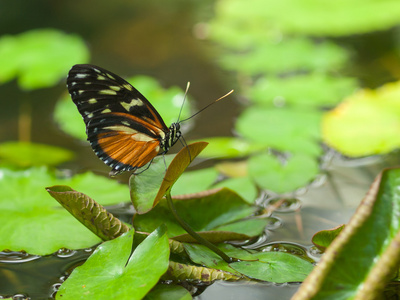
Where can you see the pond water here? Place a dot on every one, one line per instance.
(157, 39)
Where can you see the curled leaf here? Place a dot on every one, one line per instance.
(90, 213)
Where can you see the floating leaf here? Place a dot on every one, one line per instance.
(34, 222)
(271, 174)
(40, 58)
(228, 147)
(291, 130)
(310, 90)
(311, 17)
(268, 266)
(356, 267)
(148, 188)
(366, 123)
(244, 186)
(203, 213)
(294, 54)
(23, 154)
(167, 292)
(104, 273)
(322, 239)
(195, 181)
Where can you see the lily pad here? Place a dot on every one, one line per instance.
(105, 276)
(274, 175)
(310, 90)
(244, 186)
(297, 131)
(167, 292)
(228, 147)
(288, 55)
(203, 213)
(366, 123)
(276, 267)
(195, 181)
(34, 222)
(311, 17)
(40, 58)
(322, 239)
(23, 154)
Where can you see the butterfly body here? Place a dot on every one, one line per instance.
(122, 126)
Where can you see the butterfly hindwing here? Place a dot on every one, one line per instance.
(123, 128)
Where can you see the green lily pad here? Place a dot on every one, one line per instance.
(322, 239)
(23, 154)
(25, 201)
(167, 292)
(297, 131)
(203, 213)
(276, 267)
(168, 103)
(271, 174)
(310, 90)
(228, 147)
(195, 181)
(105, 276)
(366, 123)
(356, 267)
(294, 54)
(244, 186)
(311, 17)
(40, 58)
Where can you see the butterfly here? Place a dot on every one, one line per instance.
(123, 128)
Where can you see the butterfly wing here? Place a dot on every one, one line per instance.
(123, 128)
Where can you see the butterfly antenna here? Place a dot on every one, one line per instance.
(184, 99)
(220, 98)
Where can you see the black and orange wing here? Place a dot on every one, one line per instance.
(122, 126)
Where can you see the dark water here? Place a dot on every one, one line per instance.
(156, 38)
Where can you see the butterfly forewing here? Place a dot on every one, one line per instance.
(123, 128)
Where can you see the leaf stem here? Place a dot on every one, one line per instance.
(195, 235)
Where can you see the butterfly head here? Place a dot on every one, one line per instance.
(172, 136)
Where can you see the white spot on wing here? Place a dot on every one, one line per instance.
(107, 92)
(134, 102)
(92, 101)
(81, 75)
(107, 110)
